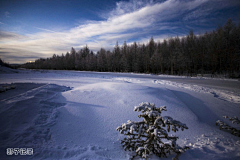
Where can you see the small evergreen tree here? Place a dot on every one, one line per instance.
(224, 126)
(151, 134)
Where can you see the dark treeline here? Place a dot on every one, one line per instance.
(2, 63)
(216, 52)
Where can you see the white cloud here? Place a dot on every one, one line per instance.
(124, 7)
(138, 19)
(9, 36)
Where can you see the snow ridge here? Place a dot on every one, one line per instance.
(224, 95)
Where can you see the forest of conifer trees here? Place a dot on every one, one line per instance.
(216, 52)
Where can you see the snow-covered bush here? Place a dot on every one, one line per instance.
(224, 126)
(150, 136)
(6, 88)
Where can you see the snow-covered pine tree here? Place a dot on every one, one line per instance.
(150, 136)
(224, 126)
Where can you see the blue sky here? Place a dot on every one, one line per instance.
(32, 29)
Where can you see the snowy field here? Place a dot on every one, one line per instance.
(74, 115)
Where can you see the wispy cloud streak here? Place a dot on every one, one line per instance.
(45, 29)
(7, 14)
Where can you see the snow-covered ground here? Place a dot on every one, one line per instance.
(74, 115)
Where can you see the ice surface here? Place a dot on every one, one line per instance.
(74, 115)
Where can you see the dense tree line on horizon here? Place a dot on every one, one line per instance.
(216, 52)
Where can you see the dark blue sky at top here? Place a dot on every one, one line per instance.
(23, 15)
(50, 13)
(40, 28)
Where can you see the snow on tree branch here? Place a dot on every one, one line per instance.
(224, 126)
(150, 136)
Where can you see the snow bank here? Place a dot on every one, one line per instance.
(4, 70)
(221, 94)
(213, 146)
(127, 80)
